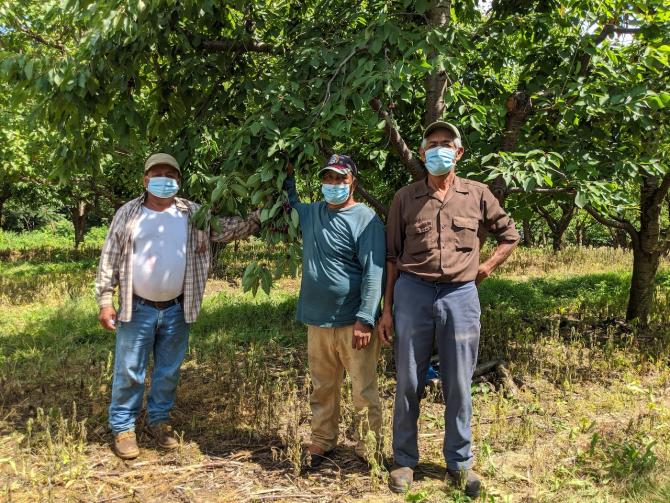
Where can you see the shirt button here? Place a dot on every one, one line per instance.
(442, 226)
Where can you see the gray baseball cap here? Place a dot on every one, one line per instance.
(161, 158)
(442, 125)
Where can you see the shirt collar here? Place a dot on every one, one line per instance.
(422, 189)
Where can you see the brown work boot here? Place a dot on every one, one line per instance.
(164, 436)
(465, 480)
(125, 445)
(400, 478)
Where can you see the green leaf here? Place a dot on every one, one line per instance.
(239, 190)
(267, 173)
(216, 193)
(266, 281)
(581, 199)
(28, 69)
(295, 218)
(274, 209)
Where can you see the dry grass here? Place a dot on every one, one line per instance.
(590, 420)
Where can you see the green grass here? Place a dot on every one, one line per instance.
(590, 420)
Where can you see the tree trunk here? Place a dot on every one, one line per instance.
(436, 81)
(556, 241)
(518, 107)
(2, 215)
(647, 248)
(79, 214)
(527, 233)
(558, 226)
(642, 285)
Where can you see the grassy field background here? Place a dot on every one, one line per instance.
(579, 412)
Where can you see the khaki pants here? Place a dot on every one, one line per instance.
(329, 354)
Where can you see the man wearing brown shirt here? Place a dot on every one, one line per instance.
(434, 232)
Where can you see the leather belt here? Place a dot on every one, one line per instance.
(159, 305)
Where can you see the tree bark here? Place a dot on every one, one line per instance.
(3, 200)
(518, 107)
(436, 81)
(527, 233)
(411, 163)
(79, 214)
(642, 285)
(647, 249)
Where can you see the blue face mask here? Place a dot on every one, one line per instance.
(440, 160)
(335, 194)
(162, 186)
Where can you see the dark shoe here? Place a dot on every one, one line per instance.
(465, 480)
(164, 436)
(125, 445)
(400, 478)
(316, 460)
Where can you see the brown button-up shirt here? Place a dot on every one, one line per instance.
(439, 240)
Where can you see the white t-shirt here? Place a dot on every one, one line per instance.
(159, 254)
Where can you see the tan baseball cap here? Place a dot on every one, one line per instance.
(161, 158)
(442, 125)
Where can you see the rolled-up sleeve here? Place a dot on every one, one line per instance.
(395, 232)
(497, 221)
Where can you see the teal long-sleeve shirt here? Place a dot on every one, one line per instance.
(344, 253)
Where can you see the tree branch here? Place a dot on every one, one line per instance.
(373, 201)
(353, 52)
(237, 46)
(626, 31)
(585, 60)
(662, 190)
(619, 223)
(540, 190)
(551, 221)
(411, 163)
(518, 106)
(39, 38)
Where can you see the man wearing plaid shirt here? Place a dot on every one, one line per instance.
(159, 260)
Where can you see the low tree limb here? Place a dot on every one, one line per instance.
(373, 201)
(409, 161)
(617, 223)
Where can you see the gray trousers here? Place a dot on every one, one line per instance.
(449, 312)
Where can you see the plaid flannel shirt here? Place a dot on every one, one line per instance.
(115, 267)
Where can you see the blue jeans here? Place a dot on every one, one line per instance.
(422, 312)
(162, 332)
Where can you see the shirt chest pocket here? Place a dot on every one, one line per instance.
(465, 233)
(419, 237)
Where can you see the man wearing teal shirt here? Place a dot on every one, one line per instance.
(343, 267)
